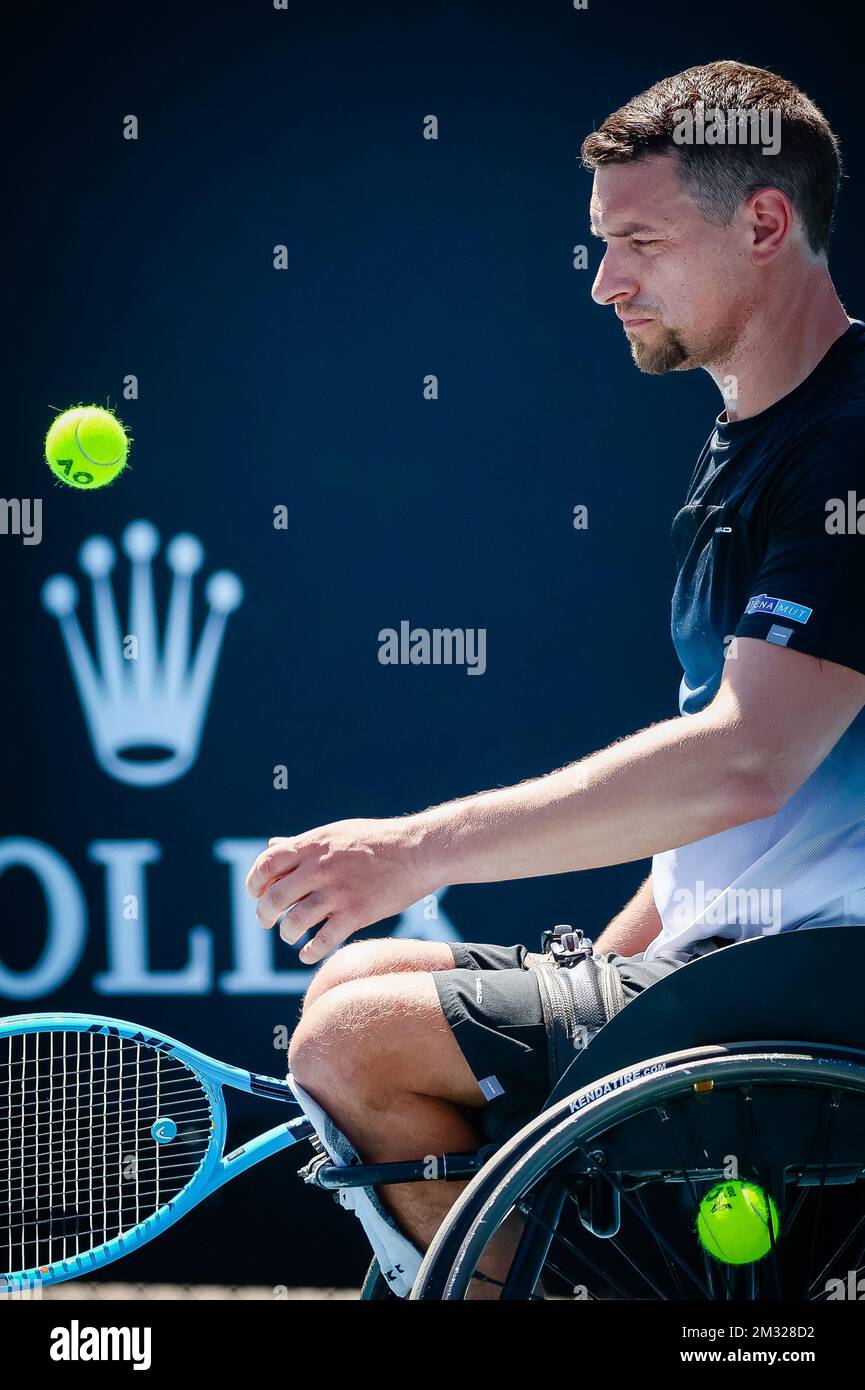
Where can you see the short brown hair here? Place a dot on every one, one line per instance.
(719, 177)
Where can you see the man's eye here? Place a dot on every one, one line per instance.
(647, 242)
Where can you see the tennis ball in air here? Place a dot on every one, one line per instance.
(86, 447)
(733, 1222)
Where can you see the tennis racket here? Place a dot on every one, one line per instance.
(109, 1133)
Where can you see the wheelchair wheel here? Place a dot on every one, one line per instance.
(375, 1287)
(607, 1183)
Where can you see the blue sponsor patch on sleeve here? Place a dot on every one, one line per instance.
(780, 635)
(780, 607)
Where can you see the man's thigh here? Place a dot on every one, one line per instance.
(497, 1019)
(637, 974)
(494, 1006)
(478, 955)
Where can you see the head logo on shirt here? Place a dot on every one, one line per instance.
(781, 607)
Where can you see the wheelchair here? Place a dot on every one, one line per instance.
(747, 1063)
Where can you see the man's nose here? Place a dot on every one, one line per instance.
(613, 282)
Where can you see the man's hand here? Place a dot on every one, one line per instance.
(348, 875)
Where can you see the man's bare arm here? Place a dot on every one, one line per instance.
(775, 718)
(635, 926)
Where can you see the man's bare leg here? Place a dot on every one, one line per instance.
(378, 1054)
(385, 956)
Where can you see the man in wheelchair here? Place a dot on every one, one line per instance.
(750, 800)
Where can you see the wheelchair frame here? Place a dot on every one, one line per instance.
(798, 970)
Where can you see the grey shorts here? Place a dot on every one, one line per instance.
(518, 1025)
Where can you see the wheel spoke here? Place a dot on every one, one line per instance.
(830, 1115)
(751, 1120)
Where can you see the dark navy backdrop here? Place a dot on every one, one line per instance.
(303, 387)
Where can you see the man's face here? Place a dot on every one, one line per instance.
(681, 286)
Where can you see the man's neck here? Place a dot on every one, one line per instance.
(780, 347)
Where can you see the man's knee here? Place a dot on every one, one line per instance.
(376, 1038)
(379, 957)
(341, 1036)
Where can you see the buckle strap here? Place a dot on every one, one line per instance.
(558, 1010)
(580, 992)
(584, 985)
(612, 989)
(567, 945)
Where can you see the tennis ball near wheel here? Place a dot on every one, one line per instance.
(86, 447)
(733, 1222)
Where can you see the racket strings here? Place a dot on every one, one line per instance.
(32, 1182)
(25, 1160)
(74, 1090)
(30, 1133)
(65, 1205)
(81, 1160)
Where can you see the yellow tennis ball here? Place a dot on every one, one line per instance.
(733, 1222)
(86, 447)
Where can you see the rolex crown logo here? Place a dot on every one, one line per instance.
(144, 699)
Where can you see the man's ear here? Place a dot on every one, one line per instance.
(771, 216)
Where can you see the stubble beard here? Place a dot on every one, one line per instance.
(669, 352)
(666, 353)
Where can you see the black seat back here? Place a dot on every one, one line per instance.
(799, 986)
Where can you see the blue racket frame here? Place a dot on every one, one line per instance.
(216, 1168)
